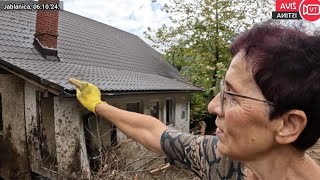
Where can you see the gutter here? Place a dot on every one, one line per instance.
(42, 83)
(61, 91)
(122, 93)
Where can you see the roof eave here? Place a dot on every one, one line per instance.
(61, 91)
(149, 92)
(121, 93)
(36, 80)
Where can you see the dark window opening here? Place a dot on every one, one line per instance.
(45, 135)
(183, 114)
(134, 107)
(169, 112)
(1, 120)
(38, 110)
(92, 151)
(155, 109)
(97, 143)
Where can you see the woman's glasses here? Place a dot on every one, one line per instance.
(223, 96)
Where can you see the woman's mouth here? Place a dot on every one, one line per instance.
(219, 132)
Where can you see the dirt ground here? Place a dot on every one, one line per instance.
(171, 173)
(314, 152)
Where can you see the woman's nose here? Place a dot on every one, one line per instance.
(214, 106)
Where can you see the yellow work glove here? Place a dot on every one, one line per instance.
(87, 94)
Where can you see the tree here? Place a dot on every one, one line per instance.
(312, 28)
(197, 42)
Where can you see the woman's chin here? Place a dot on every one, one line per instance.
(221, 148)
(225, 151)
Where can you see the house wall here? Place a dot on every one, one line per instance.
(33, 135)
(132, 150)
(54, 133)
(182, 115)
(39, 117)
(69, 136)
(47, 132)
(181, 101)
(13, 147)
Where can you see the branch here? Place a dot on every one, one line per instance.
(165, 166)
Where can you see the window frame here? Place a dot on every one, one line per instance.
(159, 109)
(133, 102)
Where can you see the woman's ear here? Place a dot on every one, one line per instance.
(292, 124)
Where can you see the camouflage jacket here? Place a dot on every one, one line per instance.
(200, 154)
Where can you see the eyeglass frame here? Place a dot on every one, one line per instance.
(223, 92)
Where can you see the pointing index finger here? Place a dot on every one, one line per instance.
(77, 83)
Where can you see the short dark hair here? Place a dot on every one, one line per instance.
(286, 66)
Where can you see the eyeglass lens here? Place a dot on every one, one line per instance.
(222, 96)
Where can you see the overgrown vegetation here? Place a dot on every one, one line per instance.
(197, 41)
(115, 165)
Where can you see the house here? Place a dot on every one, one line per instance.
(42, 125)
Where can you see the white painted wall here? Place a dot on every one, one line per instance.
(182, 113)
(181, 101)
(133, 150)
(181, 105)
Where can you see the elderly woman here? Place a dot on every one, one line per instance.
(268, 112)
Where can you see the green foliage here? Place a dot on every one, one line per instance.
(311, 28)
(197, 42)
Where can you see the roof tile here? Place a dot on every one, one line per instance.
(111, 58)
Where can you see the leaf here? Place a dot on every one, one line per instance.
(198, 41)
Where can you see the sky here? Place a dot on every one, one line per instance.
(133, 16)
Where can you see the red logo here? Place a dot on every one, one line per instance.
(287, 5)
(310, 10)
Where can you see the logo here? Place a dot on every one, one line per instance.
(287, 5)
(310, 10)
(297, 9)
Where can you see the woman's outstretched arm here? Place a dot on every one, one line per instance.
(144, 129)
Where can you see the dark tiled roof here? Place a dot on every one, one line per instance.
(117, 80)
(108, 57)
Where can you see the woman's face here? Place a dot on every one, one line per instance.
(244, 129)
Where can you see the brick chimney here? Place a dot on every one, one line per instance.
(47, 25)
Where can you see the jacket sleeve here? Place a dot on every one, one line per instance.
(199, 154)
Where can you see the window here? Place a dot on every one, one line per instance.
(1, 120)
(184, 112)
(38, 109)
(169, 112)
(154, 109)
(134, 107)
